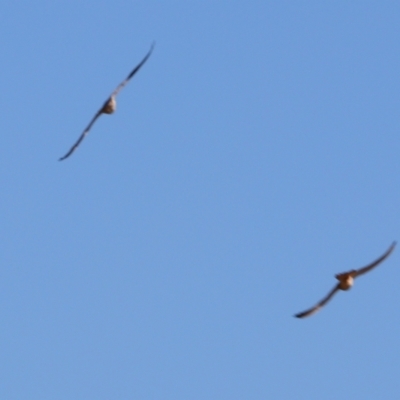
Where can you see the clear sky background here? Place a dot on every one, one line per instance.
(255, 155)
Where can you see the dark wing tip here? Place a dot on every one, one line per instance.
(383, 257)
(73, 148)
(148, 54)
(64, 157)
(390, 249)
(307, 313)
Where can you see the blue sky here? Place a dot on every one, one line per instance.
(254, 155)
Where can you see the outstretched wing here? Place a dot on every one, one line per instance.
(317, 307)
(136, 69)
(85, 132)
(119, 87)
(376, 262)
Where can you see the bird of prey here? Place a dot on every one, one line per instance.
(109, 105)
(346, 280)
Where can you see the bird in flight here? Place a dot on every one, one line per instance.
(109, 105)
(346, 280)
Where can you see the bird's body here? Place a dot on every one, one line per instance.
(346, 281)
(109, 106)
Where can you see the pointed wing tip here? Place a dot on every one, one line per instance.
(64, 157)
(153, 44)
(305, 313)
(391, 248)
(151, 50)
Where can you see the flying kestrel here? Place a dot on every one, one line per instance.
(346, 280)
(109, 105)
